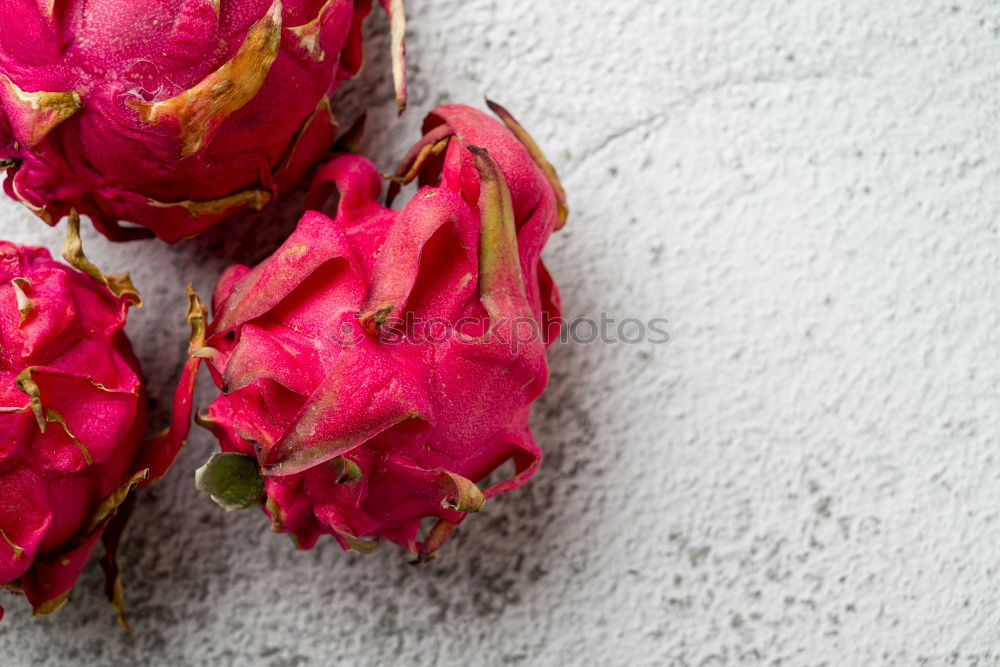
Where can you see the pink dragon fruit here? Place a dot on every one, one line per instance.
(380, 364)
(73, 411)
(172, 114)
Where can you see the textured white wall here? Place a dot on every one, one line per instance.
(807, 474)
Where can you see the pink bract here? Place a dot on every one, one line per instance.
(340, 411)
(172, 114)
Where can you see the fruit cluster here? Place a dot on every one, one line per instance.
(338, 412)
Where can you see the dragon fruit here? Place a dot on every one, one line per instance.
(380, 365)
(172, 114)
(73, 411)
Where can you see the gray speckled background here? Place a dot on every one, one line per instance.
(807, 474)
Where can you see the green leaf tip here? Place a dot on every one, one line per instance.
(347, 471)
(232, 480)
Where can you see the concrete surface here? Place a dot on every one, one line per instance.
(806, 474)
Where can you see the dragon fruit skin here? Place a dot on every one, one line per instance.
(357, 430)
(172, 114)
(72, 415)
